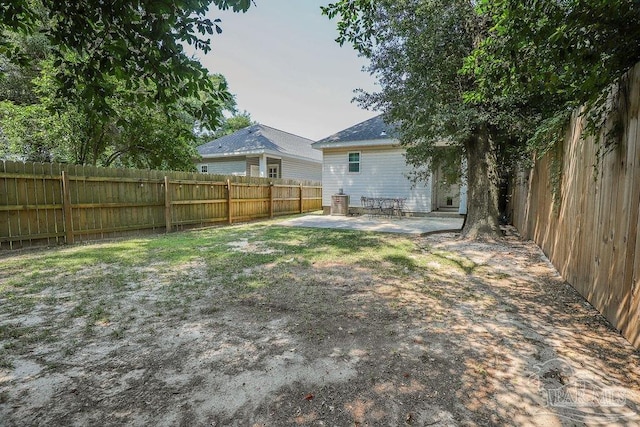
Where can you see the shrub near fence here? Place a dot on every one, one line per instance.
(45, 203)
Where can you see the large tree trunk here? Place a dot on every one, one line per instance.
(482, 193)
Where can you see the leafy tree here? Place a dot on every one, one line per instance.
(37, 127)
(234, 123)
(31, 132)
(555, 57)
(29, 129)
(416, 50)
(114, 78)
(496, 79)
(98, 43)
(133, 135)
(16, 79)
(150, 140)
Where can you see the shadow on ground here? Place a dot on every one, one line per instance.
(262, 325)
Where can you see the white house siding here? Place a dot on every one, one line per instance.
(255, 162)
(383, 173)
(301, 169)
(224, 167)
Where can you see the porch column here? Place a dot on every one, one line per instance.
(263, 165)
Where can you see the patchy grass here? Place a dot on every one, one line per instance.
(83, 286)
(262, 324)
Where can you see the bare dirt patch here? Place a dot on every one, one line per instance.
(272, 326)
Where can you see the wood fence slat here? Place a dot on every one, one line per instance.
(271, 200)
(29, 176)
(167, 205)
(593, 239)
(5, 223)
(229, 203)
(66, 198)
(53, 202)
(29, 207)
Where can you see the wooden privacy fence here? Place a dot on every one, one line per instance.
(590, 233)
(54, 203)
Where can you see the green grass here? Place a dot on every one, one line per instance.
(18, 338)
(9, 331)
(84, 286)
(114, 266)
(454, 260)
(110, 264)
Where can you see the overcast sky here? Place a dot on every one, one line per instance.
(282, 63)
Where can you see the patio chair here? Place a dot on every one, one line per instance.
(368, 205)
(398, 208)
(387, 207)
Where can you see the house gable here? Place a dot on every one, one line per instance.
(260, 139)
(263, 151)
(382, 170)
(371, 130)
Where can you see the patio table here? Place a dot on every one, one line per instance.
(385, 206)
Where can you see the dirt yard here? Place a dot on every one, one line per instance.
(261, 325)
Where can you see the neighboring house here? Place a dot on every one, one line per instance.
(261, 151)
(366, 160)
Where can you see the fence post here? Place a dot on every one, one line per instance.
(301, 199)
(167, 206)
(230, 218)
(66, 206)
(271, 200)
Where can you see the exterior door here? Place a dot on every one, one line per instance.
(446, 196)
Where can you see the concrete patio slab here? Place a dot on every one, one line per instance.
(411, 225)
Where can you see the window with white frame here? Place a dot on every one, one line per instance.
(204, 168)
(273, 171)
(354, 162)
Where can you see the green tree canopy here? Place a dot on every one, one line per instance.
(488, 76)
(99, 43)
(553, 57)
(35, 126)
(108, 82)
(417, 49)
(234, 123)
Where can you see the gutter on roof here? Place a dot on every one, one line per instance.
(270, 153)
(364, 143)
(234, 153)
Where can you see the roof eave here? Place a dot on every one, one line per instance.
(233, 154)
(277, 154)
(364, 143)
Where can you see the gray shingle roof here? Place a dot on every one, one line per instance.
(372, 129)
(257, 139)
